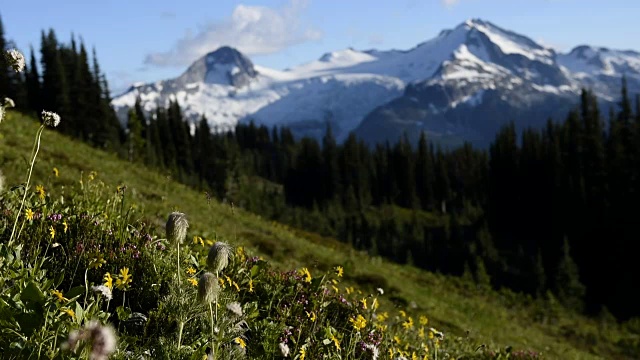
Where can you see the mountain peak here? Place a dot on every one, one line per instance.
(223, 66)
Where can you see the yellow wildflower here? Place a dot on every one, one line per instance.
(311, 315)
(97, 261)
(240, 342)
(191, 270)
(124, 279)
(64, 223)
(363, 301)
(250, 285)
(56, 172)
(108, 280)
(198, 240)
(339, 271)
(431, 335)
(383, 316)
(52, 232)
(307, 275)
(349, 290)
(375, 304)
(193, 281)
(69, 312)
(397, 340)
(408, 324)
(335, 289)
(414, 356)
(358, 322)
(40, 191)
(92, 175)
(221, 282)
(29, 214)
(336, 342)
(209, 242)
(421, 333)
(236, 286)
(228, 280)
(303, 353)
(423, 320)
(58, 294)
(403, 313)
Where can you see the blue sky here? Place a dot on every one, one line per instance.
(142, 40)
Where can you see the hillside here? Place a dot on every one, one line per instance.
(454, 306)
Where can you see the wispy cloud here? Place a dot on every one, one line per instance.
(254, 30)
(450, 3)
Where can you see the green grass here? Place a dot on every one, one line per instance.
(497, 319)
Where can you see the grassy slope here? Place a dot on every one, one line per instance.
(451, 305)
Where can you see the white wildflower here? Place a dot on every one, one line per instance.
(380, 291)
(15, 59)
(105, 291)
(284, 349)
(50, 118)
(374, 351)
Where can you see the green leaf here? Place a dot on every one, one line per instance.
(32, 293)
(29, 322)
(76, 291)
(123, 313)
(79, 313)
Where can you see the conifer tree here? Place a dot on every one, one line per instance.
(33, 85)
(569, 289)
(4, 66)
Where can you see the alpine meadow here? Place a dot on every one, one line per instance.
(474, 197)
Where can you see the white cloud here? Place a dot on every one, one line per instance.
(253, 30)
(449, 3)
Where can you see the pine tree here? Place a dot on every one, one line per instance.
(135, 142)
(569, 289)
(425, 174)
(4, 66)
(33, 85)
(540, 275)
(55, 94)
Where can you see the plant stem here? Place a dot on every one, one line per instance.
(212, 323)
(178, 257)
(180, 327)
(34, 154)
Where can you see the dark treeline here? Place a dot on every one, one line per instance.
(549, 211)
(64, 82)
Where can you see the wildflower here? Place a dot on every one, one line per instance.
(221, 282)
(15, 59)
(97, 261)
(176, 228)
(56, 172)
(52, 232)
(403, 313)
(423, 320)
(284, 349)
(339, 271)
(124, 279)
(383, 316)
(58, 294)
(307, 275)
(358, 322)
(349, 290)
(40, 191)
(421, 333)
(108, 280)
(235, 308)
(29, 214)
(336, 342)
(198, 240)
(433, 332)
(311, 315)
(363, 301)
(64, 224)
(191, 270)
(208, 288)
(102, 339)
(375, 304)
(50, 118)
(104, 290)
(397, 339)
(303, 353)
(236, 286)
(219, 255)
(380, 291)
(69, 312)
(373, 350)
(193, 281)
(408, 324)
(250, 285)
(240, 342)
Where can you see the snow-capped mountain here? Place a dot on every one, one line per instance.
(462, 84)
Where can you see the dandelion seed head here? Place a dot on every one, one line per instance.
(219, 255)
(103, 340)
(50, 118)
(208, 288)
(176, 228)
(15, 59)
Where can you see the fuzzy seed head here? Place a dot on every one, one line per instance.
(235, 308)
(50, 118)
(105, 291)
(8, 103)
(176, 228)
(219, 255)
(208, 288)
(284, 349)
(15, 59)
(102, 339)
